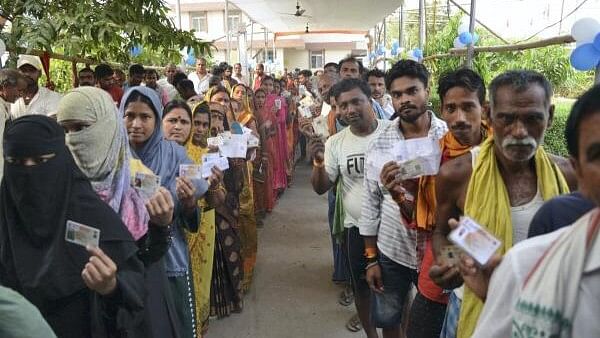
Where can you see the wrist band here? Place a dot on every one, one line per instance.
(370, 265)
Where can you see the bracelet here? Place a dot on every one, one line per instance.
(370, 265)
(318, 165)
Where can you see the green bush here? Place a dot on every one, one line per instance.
(554, 141)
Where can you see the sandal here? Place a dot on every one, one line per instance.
(353, 324)
(346, 297)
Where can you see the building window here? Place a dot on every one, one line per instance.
(234, 20)
(198, 22)
(316, 58)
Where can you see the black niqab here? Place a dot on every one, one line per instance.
(35, 204)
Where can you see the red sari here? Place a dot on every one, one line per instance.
(263, 178)
(281, 148)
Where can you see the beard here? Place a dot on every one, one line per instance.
(412, 115)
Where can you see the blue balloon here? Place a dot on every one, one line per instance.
(191, 59)
(136, 50)
(585, 57)
(465, 38)
(418, 53)
(395, 44)
(394, 50)
(380, 50)
(475, 37)
(597, 42)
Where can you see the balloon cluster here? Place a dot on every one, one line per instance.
(136, 50)
(586, 56)
(465, 38)
(415, 54)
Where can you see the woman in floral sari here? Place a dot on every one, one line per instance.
(263, 176)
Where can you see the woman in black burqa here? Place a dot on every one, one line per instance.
(81, 292)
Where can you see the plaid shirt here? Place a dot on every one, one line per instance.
(380, 214)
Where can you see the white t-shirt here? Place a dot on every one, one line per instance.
(45, 102)
(200, 84)
(241, 79)
(345, 156)
(507, 282)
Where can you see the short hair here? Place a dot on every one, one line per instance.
(586, 105)
(347, 85)
(178, 77)
(352, 59)
(151, 71)
(103, 70)
(464, 78)
(186, 85)
(408, 68)
(229, 68)
(375, 72)
(214, 80)
(9, 77)
(237, 63)
(331, 64)
(520, 80)
(86, 70)
(217, 70)
(177, 104)
(136, 69)
(306, 73)
(268, 77)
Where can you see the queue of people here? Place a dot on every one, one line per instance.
(392, 230)
(166, 260)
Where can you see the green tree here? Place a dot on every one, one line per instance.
(103, 30)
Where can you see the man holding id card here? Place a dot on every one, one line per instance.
(502, 183)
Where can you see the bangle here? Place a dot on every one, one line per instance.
(370, 265)
(318, 165)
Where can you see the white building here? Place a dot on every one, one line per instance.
(283, 50)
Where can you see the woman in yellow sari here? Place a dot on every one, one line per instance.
(192, 134)
(248, 224)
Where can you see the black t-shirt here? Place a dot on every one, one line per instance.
(559, 212)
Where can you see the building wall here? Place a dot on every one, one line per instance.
(334, 55)
(295, 58)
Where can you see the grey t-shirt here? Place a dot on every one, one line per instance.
(19, 318)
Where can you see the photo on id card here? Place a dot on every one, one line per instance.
(81, 234)
(146, 184)
(474, 240)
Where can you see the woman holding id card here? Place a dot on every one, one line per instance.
(81, 290)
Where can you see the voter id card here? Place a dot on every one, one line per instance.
(190, 171)
(83, 235)
(474, 240)
(146, 185)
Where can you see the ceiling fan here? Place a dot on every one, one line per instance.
(299, 11)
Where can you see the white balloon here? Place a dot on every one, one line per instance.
(458, 44)
(584, 30)
(2, 48)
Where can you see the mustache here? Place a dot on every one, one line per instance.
(460, 126)
(527, 141)
(407, 106)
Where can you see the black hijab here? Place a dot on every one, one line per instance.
(35, 204)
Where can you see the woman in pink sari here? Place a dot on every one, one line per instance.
(263, 173)
(276, 106)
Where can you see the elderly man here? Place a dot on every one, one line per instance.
(36, 99)
(200, 77)
(502, 183)
(559, 272)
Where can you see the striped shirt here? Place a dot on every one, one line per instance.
(380, 214)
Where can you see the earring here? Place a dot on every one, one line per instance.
(429, 104)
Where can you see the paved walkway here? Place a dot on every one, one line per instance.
(292, 295)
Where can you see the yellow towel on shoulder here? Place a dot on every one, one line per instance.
(488, 204)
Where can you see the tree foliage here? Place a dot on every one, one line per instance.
(97, 29)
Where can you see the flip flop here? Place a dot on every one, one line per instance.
(353, 324)
(346, 297)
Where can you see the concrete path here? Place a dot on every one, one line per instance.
(292, 295)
